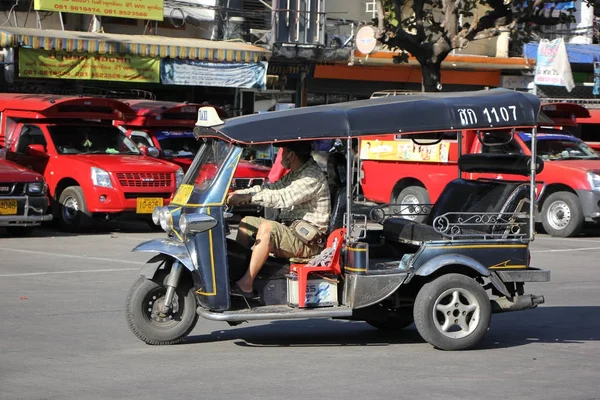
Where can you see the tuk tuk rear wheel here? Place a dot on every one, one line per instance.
(452, 312)
(142, 318)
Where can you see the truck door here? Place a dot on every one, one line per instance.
(31, 149)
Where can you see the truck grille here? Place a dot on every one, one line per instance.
(11, 189)
(245, 183)
(144, 179)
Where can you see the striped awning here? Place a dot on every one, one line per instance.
(142, 45)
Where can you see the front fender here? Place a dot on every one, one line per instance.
(168, 247)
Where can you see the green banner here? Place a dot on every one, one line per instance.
(35, 63)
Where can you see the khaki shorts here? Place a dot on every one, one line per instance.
(283, 241)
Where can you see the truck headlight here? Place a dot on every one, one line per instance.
(594, 180)
(179, 177)
(35, 188)
(101, 178)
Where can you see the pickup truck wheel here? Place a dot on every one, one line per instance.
(452, 312)
(562, 215)
(141, 312)
(19, 231)
(71, 210)
(413, 195)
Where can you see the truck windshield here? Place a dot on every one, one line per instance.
(178, 143)
(91, 139)
(563, 149)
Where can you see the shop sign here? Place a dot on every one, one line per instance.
(403, 150)
(200, 73)
(292, 70)
(135, 9)
(552, 65)
(34, 63)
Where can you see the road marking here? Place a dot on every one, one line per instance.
(565, 250)
(69, 272)
(112, 260)
(569, 239)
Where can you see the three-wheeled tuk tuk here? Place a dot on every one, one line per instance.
(448, 274)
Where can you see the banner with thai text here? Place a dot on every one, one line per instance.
(35, 63)
(135, 9)
(403, 150)
(552, 65)
(201, 73)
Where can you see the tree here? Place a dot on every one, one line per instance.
(430, 29)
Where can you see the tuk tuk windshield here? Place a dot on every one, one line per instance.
(91, 139)
(211, 156)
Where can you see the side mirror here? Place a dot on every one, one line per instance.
(152, 152)
(168, 153)
(36, 150)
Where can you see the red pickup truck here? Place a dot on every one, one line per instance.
(23, 199)
(92, 169)
(396, 170)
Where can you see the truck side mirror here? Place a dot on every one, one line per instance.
(152, 152)
(36, 150)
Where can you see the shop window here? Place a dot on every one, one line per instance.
(119, 21)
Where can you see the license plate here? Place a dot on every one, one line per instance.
(8, 207)
(145, 205)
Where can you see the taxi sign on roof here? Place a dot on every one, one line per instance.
(208, 117)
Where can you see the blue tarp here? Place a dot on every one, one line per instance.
(578, 53)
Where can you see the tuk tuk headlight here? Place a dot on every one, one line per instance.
(196, 223)
(165, 219)
(179, 177)
(156, 215)
(594, 180)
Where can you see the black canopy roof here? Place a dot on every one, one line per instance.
(425, 112)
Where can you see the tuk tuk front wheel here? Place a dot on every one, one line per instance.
(452, 312)
(148, 324)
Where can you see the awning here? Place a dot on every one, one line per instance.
(578, 53)
(143, 45)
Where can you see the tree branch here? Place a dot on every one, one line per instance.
(419, 10)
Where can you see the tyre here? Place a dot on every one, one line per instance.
(562, 215)
(452, 312)
(413, 195)
(19, 231)
(393, 321)
(71, 210)
(141, 310)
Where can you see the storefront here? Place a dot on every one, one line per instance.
(173, 68)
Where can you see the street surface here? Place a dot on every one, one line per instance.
(63, 336)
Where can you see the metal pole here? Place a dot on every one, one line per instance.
(349, 219)
(460, 144)
(532, 188)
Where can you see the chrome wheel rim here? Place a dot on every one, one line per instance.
(456, 313)
(70, 208)
(409, 212)
(559, 215)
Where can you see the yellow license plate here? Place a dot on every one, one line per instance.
(145, 205)
(8, 207)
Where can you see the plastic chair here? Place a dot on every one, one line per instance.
(302, 270)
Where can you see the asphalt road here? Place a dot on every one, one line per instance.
(63, 336)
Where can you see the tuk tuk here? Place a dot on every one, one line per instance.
(447, 275)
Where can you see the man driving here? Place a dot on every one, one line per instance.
(304, 199)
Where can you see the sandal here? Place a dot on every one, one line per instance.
(237, 291)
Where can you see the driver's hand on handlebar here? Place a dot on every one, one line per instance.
(235, 199)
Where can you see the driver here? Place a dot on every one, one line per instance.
(303, 196)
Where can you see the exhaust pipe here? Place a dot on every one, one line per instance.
(516, 303)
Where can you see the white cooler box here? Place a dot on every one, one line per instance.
(319, 292)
